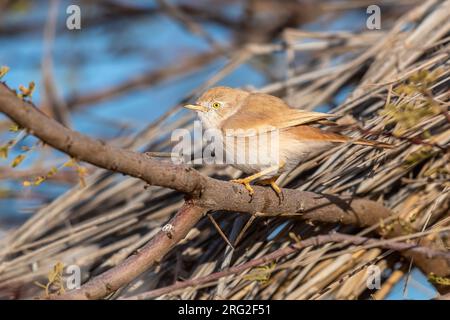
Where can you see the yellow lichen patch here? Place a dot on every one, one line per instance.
(17, 160)
(423, 79)
(404, 224)
(40, 179)
(4, 151)
(27, 92)
(26, 183)
(55, 281)
(3, 71)
(261, 274)
(14, 128)
(72, 162)
(82, 171)
(408, 114)
(419, 82)
(414, 103)
(418, 156)
(439, 280)
(52, 171)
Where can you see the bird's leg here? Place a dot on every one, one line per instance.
(246, 181)
(272, 183)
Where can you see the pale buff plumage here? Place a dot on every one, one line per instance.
(240, 113)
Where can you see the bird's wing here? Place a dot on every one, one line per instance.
(263, 113)
(308, 133)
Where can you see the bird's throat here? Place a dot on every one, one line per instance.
(210, 120)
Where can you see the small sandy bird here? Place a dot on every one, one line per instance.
(235, 110)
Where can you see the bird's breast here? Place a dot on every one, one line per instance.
(252, 155)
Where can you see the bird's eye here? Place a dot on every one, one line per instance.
(216, 105)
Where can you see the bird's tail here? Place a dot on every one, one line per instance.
(316, 134)
(335, 137)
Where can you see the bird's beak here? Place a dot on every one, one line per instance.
(196, 107)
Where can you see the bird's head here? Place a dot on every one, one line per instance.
(218, 104)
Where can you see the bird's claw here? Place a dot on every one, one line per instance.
(273, 185)
(245, 183)
(276, 188)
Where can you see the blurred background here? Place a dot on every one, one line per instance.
(132, 62)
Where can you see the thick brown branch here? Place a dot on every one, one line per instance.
(148, 255)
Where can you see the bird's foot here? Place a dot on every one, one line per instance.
(246, 183)
(276, 188)
(273, 185)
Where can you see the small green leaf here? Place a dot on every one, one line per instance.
(14, 128)
(3, 71)
(27, 92)
(52, 171)
(39, 180)
(17, 160)
(4, 151)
